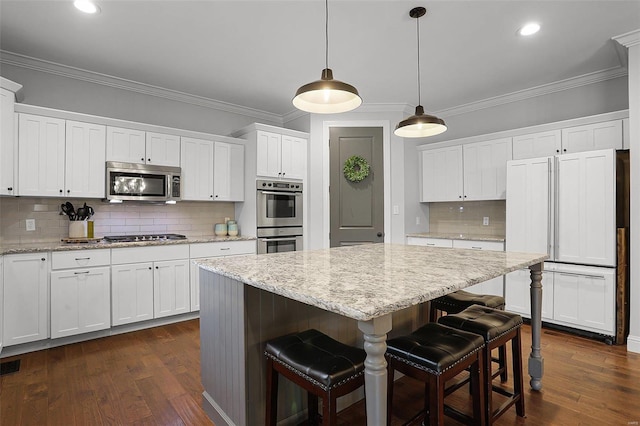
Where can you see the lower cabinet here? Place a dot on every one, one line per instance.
(581, 297)
(171, 288)
(131, 293)
(26, 298)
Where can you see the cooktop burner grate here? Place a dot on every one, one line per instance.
(143, 237)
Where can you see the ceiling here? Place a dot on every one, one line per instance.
(256, 54)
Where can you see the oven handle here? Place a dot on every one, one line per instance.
(280, 193)
(279, 239)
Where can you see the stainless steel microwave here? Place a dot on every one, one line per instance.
(142, 182)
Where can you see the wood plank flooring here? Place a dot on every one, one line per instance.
(152, 377)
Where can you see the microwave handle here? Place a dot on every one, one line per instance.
(280, 193)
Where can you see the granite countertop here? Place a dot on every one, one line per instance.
(60, 246)
(471, 237)
(367, 281)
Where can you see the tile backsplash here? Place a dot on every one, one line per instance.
(466, 218)
(193, 219)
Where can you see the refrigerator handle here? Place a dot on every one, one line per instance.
(556, 224)
(549, 205)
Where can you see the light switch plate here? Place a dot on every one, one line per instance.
(396, 210)
(31, 224)
(485, 221)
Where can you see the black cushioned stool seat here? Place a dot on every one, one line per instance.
(496, 328)
(322, 366)
(434, 354)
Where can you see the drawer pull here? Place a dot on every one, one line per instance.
(226, 248)
(431, 244)
(80, 273)
(83, 258)
(476, 248)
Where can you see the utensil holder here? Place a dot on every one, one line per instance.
(78, 229)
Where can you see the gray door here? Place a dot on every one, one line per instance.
(357, 208)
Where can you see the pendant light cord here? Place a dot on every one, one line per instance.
(326, 33)
(418, 38)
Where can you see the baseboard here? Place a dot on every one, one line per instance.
(633, 344)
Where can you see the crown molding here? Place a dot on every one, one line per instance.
(27, 62)
(545, 89)
(632, 38)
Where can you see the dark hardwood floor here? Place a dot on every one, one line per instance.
(152, 377)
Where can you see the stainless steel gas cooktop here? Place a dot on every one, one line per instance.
(143, 237)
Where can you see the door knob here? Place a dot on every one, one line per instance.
(379, 234)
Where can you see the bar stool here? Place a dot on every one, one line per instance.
(320, 365)
(460, 300)
(497, 328)
(434, 354)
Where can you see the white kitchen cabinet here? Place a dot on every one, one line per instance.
(171, 288)
(534, 145)
(217, 249)
(281, 156)
(485, 167)
(85, 160)
(517, 291)
(125, 145)
(26, 298)
(41, 156)
(442, 174)
(8, 144)
(131, 293)
(80, 292)
(586, 222)
(162, 149)
(592, 137)
(228, 172)
(157, 285)
(197, 169)
(493, 286)
(429, 242)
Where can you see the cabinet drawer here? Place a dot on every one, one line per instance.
(430, 242)
(80, 258)
(479, 245)
(227, 248)
(121, 256)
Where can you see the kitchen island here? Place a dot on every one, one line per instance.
(250, 300)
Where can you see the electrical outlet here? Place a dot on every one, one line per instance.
(417, 220)
(485, 221)
(31, 224)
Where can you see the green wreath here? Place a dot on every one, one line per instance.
(355, 169)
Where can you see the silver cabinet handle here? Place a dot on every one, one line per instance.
(575, 274)
(476, 248)
(83, 258)
(226, 248)
(80, 273)
(431, 244)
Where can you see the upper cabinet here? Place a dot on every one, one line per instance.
(60, 158)
(474, 171)
(588, 137)
(281, 156)
(136, 146)
(8, 146)
(212, 170)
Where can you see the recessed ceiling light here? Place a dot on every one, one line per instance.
(87, 6)
(529, 29)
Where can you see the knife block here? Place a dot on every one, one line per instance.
(78, 229)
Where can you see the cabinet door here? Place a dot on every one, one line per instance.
(163, 150)
(585, 301)
(131, 293)
(80, 301)
(85, 160)
(171, 288)
(8, 146)
(41, 156)
(269, 154)
(197, 169)
(592, 137)
(485, 166)
(543, 144)
(26, 299)
(1, 304)
(293, 157)
(442, 174)
(494, 286)
(228, 172)
(585, 225)
(529, 205)
(517, 293)
(126, 145)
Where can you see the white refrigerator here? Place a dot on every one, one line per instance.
(565, 206)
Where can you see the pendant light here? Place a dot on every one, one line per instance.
(327, 96)
(420, 124)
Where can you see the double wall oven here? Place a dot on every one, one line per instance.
(279, 216)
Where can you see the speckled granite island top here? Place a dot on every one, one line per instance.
(367, 281)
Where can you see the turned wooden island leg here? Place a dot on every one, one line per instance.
(375, 368)
(536, 361)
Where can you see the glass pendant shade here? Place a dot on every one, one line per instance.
(327, 96)
(420, 125)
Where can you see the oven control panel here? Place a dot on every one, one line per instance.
(278, 186)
